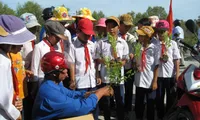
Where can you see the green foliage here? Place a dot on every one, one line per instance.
(137, 50)
(167, 40)
(98, 15)
(158, 11)
(112, 41)
(4, 9)
(113, 69)
(30, 7)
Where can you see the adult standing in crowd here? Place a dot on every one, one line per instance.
(13, 34)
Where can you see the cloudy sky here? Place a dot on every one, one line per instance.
(182, 9)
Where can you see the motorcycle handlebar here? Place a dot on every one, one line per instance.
(190, 47)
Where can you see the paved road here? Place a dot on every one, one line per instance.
(188, 60)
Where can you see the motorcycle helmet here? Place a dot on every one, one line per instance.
(47, 13)
(53, 61)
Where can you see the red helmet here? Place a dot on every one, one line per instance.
(52, 61)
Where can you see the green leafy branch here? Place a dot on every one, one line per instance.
(113, 69)
(137, 50)
(167, 40)
(112, 41)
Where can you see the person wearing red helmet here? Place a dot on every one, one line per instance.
(54, 101)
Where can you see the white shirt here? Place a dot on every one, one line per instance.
(39, 51)
(27, 51)
(88, 79)
(7, 109)
(144, 79)
(104, 49)
(166, 70)
(178, 30)
(130, 39)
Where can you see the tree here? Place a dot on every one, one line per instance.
(4, 9)
(158, 11)
(98, 15)
(30, 7)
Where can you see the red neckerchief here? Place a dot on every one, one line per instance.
(87, 57)
(163, 48)
(143, 60)
(33, 43)
(123, 36)
(49, 44)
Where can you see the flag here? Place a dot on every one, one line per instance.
(170, 18)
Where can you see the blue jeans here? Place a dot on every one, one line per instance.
(95, 112)
(119, 97)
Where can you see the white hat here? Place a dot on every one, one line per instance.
(30, 20)
(154, 19)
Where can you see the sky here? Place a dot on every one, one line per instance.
(182, 9)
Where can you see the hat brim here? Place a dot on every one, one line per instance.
(112, 20)
(60, 20)
(87, 32)
(32, 24)
(62, 37)
(83, 16)
(18, 39)
(128, 23)
(161, 29)
(100, 25)
(140, 32)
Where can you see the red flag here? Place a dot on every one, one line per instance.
(170, 18)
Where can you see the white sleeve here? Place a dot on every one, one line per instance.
(68, 34)
(7, 109)
(157, 50)
(176, 52)
(35, 65)
(125, 51)
(98, 49)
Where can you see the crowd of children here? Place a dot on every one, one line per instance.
(66, 70)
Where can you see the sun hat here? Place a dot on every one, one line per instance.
(61, 14)
(30, 20)
(126, 19)
(145, 30)
(162, 25)
(154, 19)
(16, 31)
(86, 26)
(85, 13)
(113, 18)
(101, 22)
(56, 28)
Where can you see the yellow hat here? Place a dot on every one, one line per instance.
(113, 18)
(145, 30)
(61, 14)
(85, 13)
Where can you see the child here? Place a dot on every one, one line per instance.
(146, 77)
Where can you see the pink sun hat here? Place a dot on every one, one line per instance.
(101, 22)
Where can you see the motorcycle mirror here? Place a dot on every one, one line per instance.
(191, 26)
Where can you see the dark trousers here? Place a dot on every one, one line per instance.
(128, 92)
(119, 97)
(95, 112)
(150, 95)
(165, 85)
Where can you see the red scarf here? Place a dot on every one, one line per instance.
(143, 60)
(52, 47)
(163, 48)
(123, 36)
(87, 57)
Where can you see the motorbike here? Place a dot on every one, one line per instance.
(187, 104)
